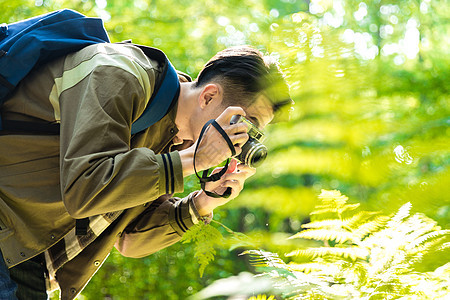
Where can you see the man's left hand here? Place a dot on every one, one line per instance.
(234, 178)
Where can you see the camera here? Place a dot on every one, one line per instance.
(253, 151)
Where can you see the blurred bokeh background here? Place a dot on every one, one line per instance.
(370, 81)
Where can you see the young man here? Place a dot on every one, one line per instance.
(95, 168)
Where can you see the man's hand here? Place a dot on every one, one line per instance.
(233, 178)
(213, 149)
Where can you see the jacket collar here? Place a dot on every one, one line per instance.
(159, 136)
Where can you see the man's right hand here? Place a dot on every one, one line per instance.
(213, 149)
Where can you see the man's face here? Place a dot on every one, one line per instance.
(260, 112)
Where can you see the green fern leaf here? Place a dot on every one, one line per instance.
(313, 266)
(206, 238)
(359, 218)
(333, 197)
(370, 227)
(323, 209)
(401, 214)
(264, 258)
(333, 202)
(376, 257)
(444, 246)
(426, 237)
(340, 236)
(329, 223)
(348, 252)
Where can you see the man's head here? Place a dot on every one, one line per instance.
(247, 79)
(238, 76)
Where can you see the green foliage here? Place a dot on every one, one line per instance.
(383, 263)
(205, 238)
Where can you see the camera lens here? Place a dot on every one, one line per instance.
(253, 153)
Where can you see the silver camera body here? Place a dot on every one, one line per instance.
(253, 151)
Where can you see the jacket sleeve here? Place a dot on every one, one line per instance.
(161, 224)
(100, 96)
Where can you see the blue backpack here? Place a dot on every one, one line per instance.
(30, 43)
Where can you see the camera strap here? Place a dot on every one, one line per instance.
(214, 177)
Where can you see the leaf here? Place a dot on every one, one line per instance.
(426, 237)
(269, 258)
(333, 196)
(348, 252)
(444, 246)
(333, 202)
(239, 240)
(359, 218)
(324, 223)
(340, 236)
(309, 267)
(401, 214)
(206, 238)
(370, 227)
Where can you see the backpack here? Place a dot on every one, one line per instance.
(32, 42)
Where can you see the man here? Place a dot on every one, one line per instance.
(95, 168)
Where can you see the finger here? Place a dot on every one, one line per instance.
(249, 171)
(245, 168)
(239, 139)
(232, 166)
(216, 170)
(237, 149)
(225, 117)
(235, 176)
(236, 128)
(235, 186)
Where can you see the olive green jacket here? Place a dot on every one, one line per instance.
(93, 167)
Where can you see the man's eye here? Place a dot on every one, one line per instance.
(254, 121)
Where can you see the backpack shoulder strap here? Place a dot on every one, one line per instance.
(164, 93)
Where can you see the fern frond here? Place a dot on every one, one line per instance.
(444, 246)
(418, 225)
(340, 236)
(323, 209)
(426, 237)
(314, 266)
(271, 264)
(401, 214)
(293, 283)
(205, 238)
(376, 256)
(370, 227)
(259, 258)
(359, 218)
(348, 252)
(333, 202)
(333, 197)
(324, 224)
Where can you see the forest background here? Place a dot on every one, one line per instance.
(370, 81)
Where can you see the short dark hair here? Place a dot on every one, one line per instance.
(244, 73)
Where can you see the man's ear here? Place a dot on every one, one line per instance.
(211, 93)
